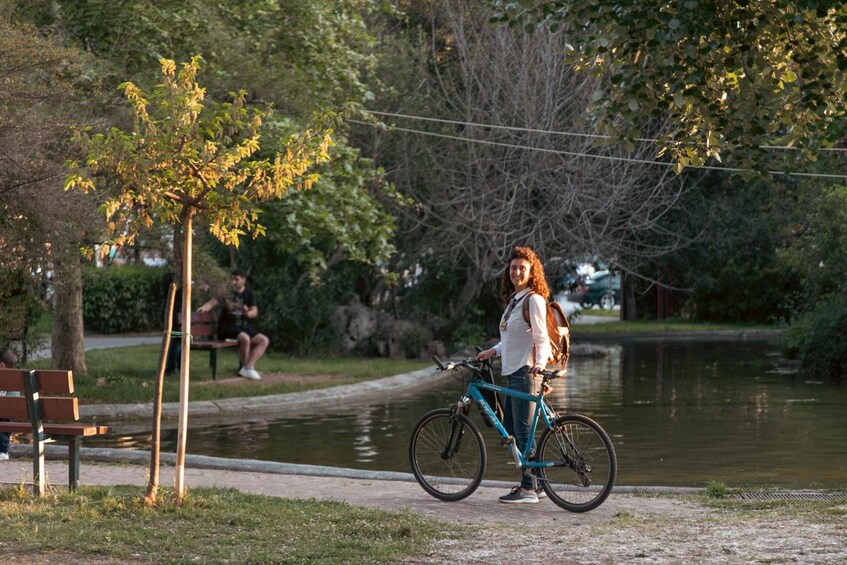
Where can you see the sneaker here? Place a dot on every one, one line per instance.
(520, 496)
(540, 493)
(4, 456)
(249, 374)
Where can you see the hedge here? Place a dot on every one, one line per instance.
(124, 299)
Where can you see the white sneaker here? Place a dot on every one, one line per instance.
(4, 456)
(249, 374)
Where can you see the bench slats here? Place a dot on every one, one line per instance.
(14, 407)
(204, 325)
(12, 379)
(49, 380)
(55, 429)
(55, 381)
(58, 408)
(52, 408)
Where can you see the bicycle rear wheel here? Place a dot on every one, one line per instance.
(447, 454)
(584, 460)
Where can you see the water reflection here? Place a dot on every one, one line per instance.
(678, 413)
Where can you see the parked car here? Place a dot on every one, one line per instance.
(602, 288)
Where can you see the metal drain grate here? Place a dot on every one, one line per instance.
(791, 496)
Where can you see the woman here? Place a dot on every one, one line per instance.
(524, 348)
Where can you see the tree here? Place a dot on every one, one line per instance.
(184, 160)
(42, 228)
(730, 75)
(493, 173)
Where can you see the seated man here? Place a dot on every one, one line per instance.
(237, 310)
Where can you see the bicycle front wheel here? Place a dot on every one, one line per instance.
(447, 454)
(584, 463)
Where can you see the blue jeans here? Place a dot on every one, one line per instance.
(517, 414)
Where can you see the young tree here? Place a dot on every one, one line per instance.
(184, 160)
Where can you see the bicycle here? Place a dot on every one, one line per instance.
(575, 462)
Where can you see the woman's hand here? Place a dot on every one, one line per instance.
(486, 355)
(537, 369)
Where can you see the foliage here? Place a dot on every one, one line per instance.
(209, 526)
(299, 55)
(338, 219)
(816, 244)
(717, 489)
(182, 155)
(295, 310)
(22, 300)
(728, 74)
(124, 299)
(817, 339)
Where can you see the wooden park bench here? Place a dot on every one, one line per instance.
(204, 329)
(47, 418)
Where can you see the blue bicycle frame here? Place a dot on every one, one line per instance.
(541, 408)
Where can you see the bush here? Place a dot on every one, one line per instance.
(744, 292)
(124, 299)
(817, 340)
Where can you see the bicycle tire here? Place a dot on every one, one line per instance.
(447, 476)
(585, 463)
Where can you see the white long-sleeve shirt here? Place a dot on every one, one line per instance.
(523, 344)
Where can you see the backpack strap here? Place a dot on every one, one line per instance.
(526, 309)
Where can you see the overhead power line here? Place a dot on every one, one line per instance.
(595, 156)
(562, 133)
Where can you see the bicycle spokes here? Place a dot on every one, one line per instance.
(572, 456)
(583, 463)
(447, 454)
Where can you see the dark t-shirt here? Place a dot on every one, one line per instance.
(232, 308)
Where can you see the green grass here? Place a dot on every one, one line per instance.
(212, 526)
(660, 327)
(127, 374)
(600, 312)
(717, 489)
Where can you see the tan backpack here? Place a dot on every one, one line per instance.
(558, 331)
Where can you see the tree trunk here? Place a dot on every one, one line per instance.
(67, 347)
(628, 310)
(155, 443)
(177, 257)
(182, 424)
(466, 296)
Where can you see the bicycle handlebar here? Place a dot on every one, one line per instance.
(475, 366)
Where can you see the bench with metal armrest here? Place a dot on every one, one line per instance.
(40, 411)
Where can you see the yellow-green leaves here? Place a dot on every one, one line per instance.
(184, 153)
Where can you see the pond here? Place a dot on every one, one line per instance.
(679, 413)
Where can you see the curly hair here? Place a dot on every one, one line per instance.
(537, 280)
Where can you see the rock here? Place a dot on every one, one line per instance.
(355, 324)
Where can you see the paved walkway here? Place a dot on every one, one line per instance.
(373, 489)
(104, 342)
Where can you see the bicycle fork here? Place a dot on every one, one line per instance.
(457, 432)
(573, 458)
